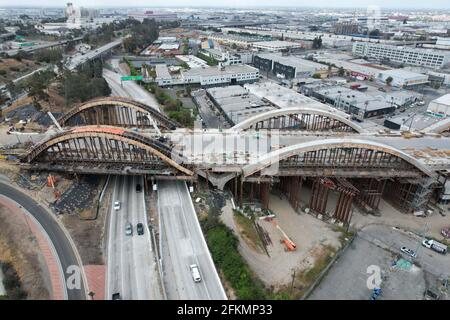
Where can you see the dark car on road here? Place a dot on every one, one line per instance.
(140, 229)
(138, 188)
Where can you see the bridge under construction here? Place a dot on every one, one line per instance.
(287, 149)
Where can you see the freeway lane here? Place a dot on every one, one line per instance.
(64, 250)
(182, 245)
(132, 268)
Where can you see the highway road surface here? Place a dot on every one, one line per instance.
(64, 250)
(80, 59)
(182, 244)
(128, 89)
(132, 267)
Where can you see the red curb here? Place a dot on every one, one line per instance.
(44, 245)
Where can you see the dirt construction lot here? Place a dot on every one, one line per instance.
(19, 247)
(313, 238)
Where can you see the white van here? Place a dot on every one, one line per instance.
(195, 273)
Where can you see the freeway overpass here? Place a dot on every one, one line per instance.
(41, 46)
(80, 59)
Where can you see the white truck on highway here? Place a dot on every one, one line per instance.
(434, 245)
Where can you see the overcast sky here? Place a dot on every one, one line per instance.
(234, 3)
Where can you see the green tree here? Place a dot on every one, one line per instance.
(389, 80)
(341, 72)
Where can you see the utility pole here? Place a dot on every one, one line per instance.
(423, 233)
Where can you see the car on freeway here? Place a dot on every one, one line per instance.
(117, 205)
(195, 271)
(409, 252)
(446, 232)
(140, 229)
(138, 188)
(128, 229)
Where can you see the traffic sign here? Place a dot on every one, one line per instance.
(128, 78)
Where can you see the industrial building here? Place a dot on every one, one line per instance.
(208, 76)
(440, 107)
(403, 78)
(276, 45)
(282, 97)
(236, 103)
(288, 66)
(400, 54)
(363, 71)
(354, 102)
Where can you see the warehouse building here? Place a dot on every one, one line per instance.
(353, 102)
(208, 76)
(289, 66)
(276, 45)
(440, 107)
(403, 78)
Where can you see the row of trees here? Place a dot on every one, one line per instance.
(172, 107)
(142, 34)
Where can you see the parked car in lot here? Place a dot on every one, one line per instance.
(140, 229)
(117, 205)
(195, 271)
(138, 188)
(129, 229)
(409, 252)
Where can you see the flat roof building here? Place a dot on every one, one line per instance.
(276, 45)
(440, 107)
(403, 78)
(236, 103)
(400, 54)
(208, 76)
(283, 97)
(288, 66)
(359, 104)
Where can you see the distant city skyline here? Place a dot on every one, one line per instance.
(388, 4)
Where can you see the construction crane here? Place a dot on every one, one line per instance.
(290, 245)
(155, 126)
(54, 121)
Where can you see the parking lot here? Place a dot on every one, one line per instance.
(347, 279)
(379, 245)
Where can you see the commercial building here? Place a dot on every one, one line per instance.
(403, 78)
(236, 103)
(149, 14)
(288, 66)
(275, 45)
(440, 107)
(354, 102)
(212, 76)
(407, 55)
